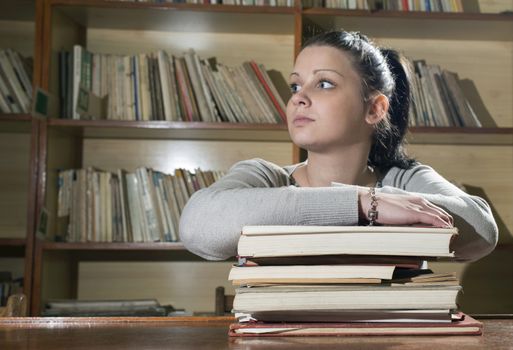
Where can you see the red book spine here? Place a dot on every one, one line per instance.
(268, 90)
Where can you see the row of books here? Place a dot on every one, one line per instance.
(438, 98)
(15, 82)
(345, 280)
(420, 5)
(390, 5)
(161, 86)
(282, 3)
(143, 206)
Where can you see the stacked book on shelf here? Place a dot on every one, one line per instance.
(345, 280)
(438, 99)
(143, 206)
(15, 82)
(161, 86)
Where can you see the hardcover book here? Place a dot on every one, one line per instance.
(466, 325)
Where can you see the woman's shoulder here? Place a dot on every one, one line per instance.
(263, 171)
(399, 177)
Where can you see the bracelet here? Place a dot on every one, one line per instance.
(373, 213)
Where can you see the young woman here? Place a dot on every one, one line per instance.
(349, 110)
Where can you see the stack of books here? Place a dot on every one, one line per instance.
(345, 280)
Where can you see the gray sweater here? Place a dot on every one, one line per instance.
(257, 192)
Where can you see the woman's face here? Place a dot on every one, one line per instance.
(326, 111)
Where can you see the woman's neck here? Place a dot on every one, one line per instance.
(347, 168)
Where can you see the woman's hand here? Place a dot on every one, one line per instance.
(403, 209)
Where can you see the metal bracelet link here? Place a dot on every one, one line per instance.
(372, 214)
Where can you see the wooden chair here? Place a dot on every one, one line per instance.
(224, 303)
(16, 306)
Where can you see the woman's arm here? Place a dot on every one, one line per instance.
(471, 214)
(256, 192)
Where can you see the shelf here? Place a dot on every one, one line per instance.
(178, 17)
(15, 123)
(171, 130)
(12, 247)
(17, 10)
(421, 25)
(118, 246)
(460, 136)
(92, 251)
(12, 242)
(260, 132)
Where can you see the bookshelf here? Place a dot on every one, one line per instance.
(269, 35)
(18, 154)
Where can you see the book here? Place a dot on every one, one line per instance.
(466, 325)
(344, 297)
(283, 240)
(256, 275)
(361, 316)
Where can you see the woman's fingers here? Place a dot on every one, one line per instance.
(405, 209)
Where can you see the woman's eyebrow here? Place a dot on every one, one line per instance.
(319, 70)
(329, 70)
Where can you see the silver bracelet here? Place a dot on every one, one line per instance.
(372, 214)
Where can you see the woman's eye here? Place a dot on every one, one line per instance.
(294, 88)
(324, 84)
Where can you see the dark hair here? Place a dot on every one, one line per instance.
(384, 71)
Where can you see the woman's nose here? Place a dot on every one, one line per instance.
(301, 98)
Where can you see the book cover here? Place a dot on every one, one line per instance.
(466, 326)
(282, 240)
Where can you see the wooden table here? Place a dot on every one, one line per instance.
(199, 333)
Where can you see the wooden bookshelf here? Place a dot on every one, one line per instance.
(18, 151)
(270, 35)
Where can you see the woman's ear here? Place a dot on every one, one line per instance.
(378, 108)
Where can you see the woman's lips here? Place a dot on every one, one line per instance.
(302, 120)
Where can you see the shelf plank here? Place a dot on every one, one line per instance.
(155, 251)
(12, 242)
(421, 25)
(460, 136)
(17, 10)
(13, 117)
(261, 132)
(118, 246)
(171, 130)
(178, 17)
(176, 6)
(12, 247)
(15, 123)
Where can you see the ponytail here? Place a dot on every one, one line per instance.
(388, 142)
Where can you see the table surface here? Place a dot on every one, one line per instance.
(200, 333)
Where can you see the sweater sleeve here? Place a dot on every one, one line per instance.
(478, 232)
(256, 192)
